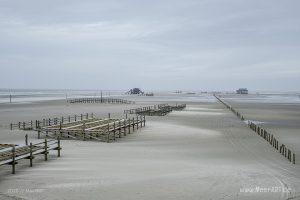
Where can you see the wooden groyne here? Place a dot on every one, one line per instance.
(270, 138)
(36, 124)
(106, 130)
(100, 100)
(10, 154)
(156, 110)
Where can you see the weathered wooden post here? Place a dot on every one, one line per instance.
(81, 117)
(26, 139)
(294, 158)
(58, 146)
(114, 129)
(119, 128)
(144, 120)
(133, 124)
(83, 131)
(11, 126)
(108, 115)
(129, 126)
(46, 150)
(31, 152)
(75, 118)
(13, 163)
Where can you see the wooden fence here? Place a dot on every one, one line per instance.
(100, 100)
(270, 138)
(10, 153)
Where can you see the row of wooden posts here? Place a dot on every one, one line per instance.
(270, 138)
(100, 100)
(34, 125)
(10, 155)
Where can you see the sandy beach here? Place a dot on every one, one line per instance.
(202, 152)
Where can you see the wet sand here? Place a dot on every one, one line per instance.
(203, 152)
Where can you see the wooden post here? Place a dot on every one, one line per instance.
(31, 156)
(26, 139)
(129, 126)
(108, 115)
(290, 155)
(83, 131)
(46, 150)
(144, 120)
(133, 124)
(114, 129)
(294, 158)
(119, 129)
(13, 159)
(39, 133)
(11, 126)
(58, 147)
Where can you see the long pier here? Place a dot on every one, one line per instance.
(100, 100)
(11, 153)
(156, 110)
(105, 130)
(270, 138)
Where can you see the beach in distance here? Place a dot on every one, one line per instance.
(201, 152)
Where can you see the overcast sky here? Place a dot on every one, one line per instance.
(163, 44)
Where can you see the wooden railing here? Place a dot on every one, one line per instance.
(10, 154)
(100, 100)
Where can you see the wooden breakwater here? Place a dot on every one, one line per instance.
(106, 129)
(155, 110)
(36, 124)
(10, 154)
(100, 100)
(270, 138)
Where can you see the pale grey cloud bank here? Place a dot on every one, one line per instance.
(203, 44)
